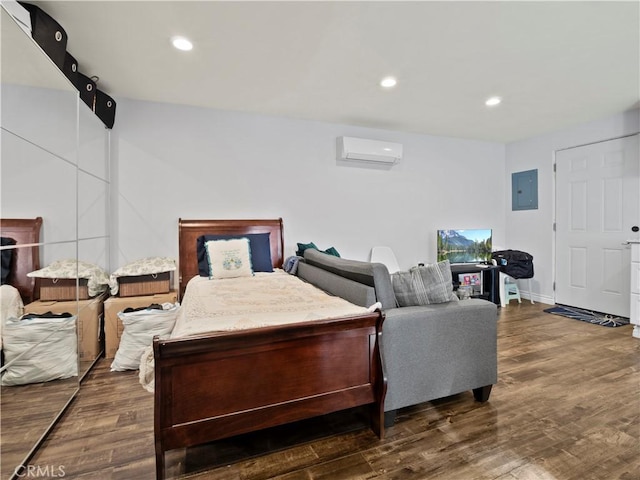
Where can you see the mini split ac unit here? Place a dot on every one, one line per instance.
(373, 151)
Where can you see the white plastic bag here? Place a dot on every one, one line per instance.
(39, 350)
(139, 329)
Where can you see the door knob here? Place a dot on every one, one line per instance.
(635, 228)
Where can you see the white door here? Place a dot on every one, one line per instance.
(597, 204)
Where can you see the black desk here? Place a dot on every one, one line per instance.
(489, 280)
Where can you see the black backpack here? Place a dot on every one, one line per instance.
(514, 263)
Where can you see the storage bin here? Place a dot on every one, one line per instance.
(144, 284)
(62, 289)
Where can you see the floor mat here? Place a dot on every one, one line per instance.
(596, 318)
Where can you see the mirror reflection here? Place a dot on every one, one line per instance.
(54, 190)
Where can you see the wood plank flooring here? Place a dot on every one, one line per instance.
(26, 411)
(566, 406)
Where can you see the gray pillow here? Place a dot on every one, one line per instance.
(424, 285)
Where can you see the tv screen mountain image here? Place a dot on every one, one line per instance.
(464, 246)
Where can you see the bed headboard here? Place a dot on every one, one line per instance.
(25, 231)
(190, 230)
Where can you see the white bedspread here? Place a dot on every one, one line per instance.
(265, 299)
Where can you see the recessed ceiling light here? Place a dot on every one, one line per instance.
(493, 101)
(182, 43)
(388, 82)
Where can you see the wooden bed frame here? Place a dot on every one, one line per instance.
(219, 385)
(25, 231)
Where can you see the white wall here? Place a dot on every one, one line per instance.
(176, 161)
(532, 230)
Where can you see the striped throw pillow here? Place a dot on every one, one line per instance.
(424, 285)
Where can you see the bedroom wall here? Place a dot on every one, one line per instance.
(532, 230)
(175, 161)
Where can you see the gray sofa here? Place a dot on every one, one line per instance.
(430, 351)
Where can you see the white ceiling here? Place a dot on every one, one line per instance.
(555, 64)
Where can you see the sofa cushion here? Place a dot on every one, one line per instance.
(424, 285)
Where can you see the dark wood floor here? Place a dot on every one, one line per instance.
(26, 411)
(566, 406)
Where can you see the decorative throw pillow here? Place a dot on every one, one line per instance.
(424, 285)
(259, 244)
(229, 258)
(303, 246)
(332, 251)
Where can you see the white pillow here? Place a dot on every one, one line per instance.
(40, 350)
(139, 329)
(97, 277)
(229, 258)
(143, 266)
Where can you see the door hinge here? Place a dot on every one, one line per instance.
(554, 286)
(554, 167)
(554, 226)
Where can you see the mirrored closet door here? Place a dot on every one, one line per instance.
(54, 165)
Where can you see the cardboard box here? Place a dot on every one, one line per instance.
(113, 325)
(89, 321)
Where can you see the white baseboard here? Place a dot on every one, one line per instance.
(537, 298)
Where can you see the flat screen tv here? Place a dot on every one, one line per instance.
(464, 246)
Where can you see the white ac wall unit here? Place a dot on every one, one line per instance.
(374, 151)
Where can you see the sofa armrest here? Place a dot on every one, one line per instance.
(350, 290)
(373, 275)
(434, 351)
